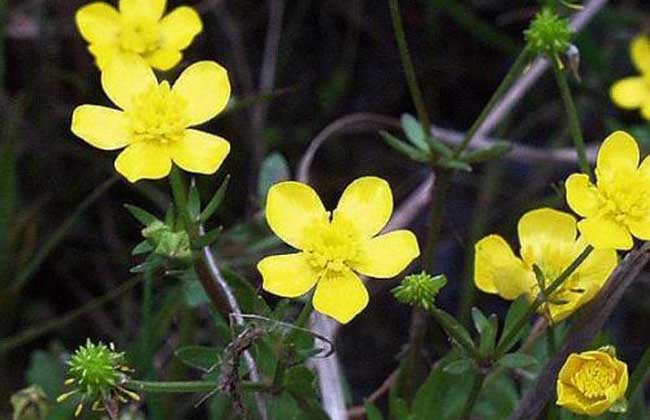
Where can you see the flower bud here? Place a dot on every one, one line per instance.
(420, 290)
(548, 34)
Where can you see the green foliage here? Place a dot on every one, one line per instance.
(274, 169)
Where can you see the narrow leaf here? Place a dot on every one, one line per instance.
(194, 202)
(216, 200)
(517, 361)
(458, 367)
(208, 238)
(141, 215)
(414, 132)
(403, 148)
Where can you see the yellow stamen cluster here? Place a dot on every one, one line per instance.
(158, 114)
(593, 379)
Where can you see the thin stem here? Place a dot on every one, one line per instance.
(505, 343)
(551, 344)
(180, 387)
(473, 396)
(179, 192)
(572, 115)
(407, 63)
(513, 74)
(438, 198)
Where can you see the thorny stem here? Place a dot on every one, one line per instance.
(572, 114)
(473, 396)
(513, 74)
(506, 343)
(407, 63)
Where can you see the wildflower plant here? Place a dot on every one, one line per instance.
(243, 306)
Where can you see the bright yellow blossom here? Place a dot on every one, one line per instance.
(139, 27)
(618, 206)
(592, 382)
(547, 239)
(634, 92)
(154, 120)
(334, 246)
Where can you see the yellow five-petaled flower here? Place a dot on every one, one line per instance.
(592, 382)
(618, 206)
(333, 248)
(547, 239)
(138, 28)
(155, 119)
(634, 92)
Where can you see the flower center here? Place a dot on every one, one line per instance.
(593, 379)
(621, 196)
(140, 37)
(331, 246)
(158, 114)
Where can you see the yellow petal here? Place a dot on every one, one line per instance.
(387, 255)
(640, 52)
(178, 28)
(604, 233)
(582, 195)
(595, 270)
(126, 77)
(366, 204)
(291, 208)
(148, 10)
(101, 127)
(630, 93)
(144, 160)
(199, 152)
(206, 88)
(164, 59)
(539, 227)
(287, 275)
(640, 228)
(340, 295)
(98, 22)
(645, 109)
(103, 53)
(619, 152)
(498, 270)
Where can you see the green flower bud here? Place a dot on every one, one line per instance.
(420, 290)
(167, 242)
(97, 372)
(549, 34)
(30, 404)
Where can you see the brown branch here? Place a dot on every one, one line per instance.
(584, 329)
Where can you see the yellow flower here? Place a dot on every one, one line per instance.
(547, 239)
(591, 382)
(138, 28)
(618, 206)
(333, 248)
(154, 120)
(634, 92)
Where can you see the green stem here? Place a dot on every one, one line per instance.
(506, 343)
(572, 114)
(407, 63)
(179, 192)
(551, 345)
(473, 396)
(180, 387)
(515, 70)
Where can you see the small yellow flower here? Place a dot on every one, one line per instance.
(618, 206)
(547, 239)
(154, 120)
(138, 28)
(634, 92)
(591, 382)
(333, 248)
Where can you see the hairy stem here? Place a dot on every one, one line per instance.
(572, 115)
(187, 386)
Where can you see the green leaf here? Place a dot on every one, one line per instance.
(440, 147)
(517, 309)
(143, 247)
(199, 357)
(249, 300)
(299, 383)
(497, 150)
(216, 200)
(403, 148)
(141, 215)
(517, 361)
(194, 202)
(207, 238)
(498, 400)
(441, 397)
(151, 263)
(47, 371)
(372, 412)
(273, 170)
(454, 329)
(458, 367)
(454, 164)
(399, 409)
(489, 336)
(414, 132)
(481, 323)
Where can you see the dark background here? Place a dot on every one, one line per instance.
(336, 57)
